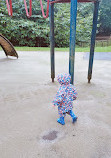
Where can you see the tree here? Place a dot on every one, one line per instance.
(105, 17)
(62, 23)
(34, 31)
(23, 31)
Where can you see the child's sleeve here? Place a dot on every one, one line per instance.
(72, 93)
(58, 99)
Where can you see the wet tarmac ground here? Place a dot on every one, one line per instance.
(99, 56)
(28, 126)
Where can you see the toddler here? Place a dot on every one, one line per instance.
(64, 97)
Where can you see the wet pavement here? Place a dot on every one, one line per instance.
(99, 56)
(52, 135)
(28, 127)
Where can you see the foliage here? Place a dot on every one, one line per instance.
(62, 25)
(84, 22)
(105, 17)
(22, 31)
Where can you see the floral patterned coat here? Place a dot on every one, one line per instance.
(65, 95)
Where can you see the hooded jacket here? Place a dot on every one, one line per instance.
(66, 93)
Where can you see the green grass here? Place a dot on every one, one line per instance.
(97, 49)
(78, 49)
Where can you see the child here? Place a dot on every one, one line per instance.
(64, 97)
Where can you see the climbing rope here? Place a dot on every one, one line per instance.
(47, 12)
(30, 8)
(9, 7)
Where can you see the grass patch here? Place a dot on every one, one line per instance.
(97, 49)
(78, 49)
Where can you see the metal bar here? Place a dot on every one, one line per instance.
(52, 42)
(68, 1)
(93, 37)
(73, 14)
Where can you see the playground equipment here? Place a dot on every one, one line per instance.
(7, 47)
(73, 14)
(47, 12)
(30, 8)
(9, 7)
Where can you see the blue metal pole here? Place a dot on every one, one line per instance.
(93, 37)
(52, 42)
(73, 14)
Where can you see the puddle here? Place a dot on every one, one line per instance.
(52, 135)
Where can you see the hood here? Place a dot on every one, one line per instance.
(64, 78)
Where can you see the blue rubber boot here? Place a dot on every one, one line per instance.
(74, 117)
(61, 120)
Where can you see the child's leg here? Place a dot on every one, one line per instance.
(61, 119)
(71, 113)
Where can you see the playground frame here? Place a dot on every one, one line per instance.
(73, 15)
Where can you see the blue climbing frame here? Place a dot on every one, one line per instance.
(93, 37)
(73, 14)
(52, 43)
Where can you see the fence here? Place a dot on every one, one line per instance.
(99, 43)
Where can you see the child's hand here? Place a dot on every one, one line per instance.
(53, 106)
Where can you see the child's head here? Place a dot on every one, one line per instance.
(64, 78)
